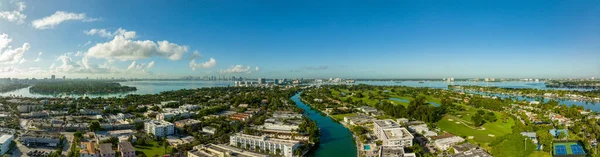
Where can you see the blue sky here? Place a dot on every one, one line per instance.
(354, 39)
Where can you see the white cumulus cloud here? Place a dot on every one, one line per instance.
(142, 67)
(8, 55)
(122, 47)
(59, 17)
(107, 33)
(209, 64)
(15, 15)
(239, 69)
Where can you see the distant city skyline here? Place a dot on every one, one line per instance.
(300, 39)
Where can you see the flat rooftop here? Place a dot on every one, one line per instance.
(267, 139)
(5, 138)
(387, 123)
(397, 134)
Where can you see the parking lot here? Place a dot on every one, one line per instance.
(22, 150)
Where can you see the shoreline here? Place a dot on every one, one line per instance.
(354, 137)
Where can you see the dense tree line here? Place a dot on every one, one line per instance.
(80, 87)
(486, 103)
(7, 87)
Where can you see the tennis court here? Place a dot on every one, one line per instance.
(560, 150)
(576, 149)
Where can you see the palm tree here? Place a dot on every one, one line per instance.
(298, 152)
(277, 151)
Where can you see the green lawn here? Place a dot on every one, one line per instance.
(340, 117)
(152, 149)
(480, 136)
(540, 154)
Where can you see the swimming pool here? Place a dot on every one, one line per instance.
(367, 147)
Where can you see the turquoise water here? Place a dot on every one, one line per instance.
(367, 147)
(336, 140)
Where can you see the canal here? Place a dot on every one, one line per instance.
(336, 140)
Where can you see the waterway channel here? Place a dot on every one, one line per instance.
(336, 140)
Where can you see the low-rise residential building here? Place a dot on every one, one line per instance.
(106, 150)
(422, 129)
(209, 129)
(117, 133)
(40, 138)
(187, 122)
(159, 128)
(284, 115)
(394, 151)
(88, 149)
(240, 116)
(402, 121)
(368, 110)
(463, 147)
(286, 147)
(531, 135)
(178, 142)
(126, 149)
(446, 141)
(358, 120)
(472, 153)
(5, 141)
(222, 151)
(200, 153)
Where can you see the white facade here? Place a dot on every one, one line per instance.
(5, 141)
(282, 127)
(445, 143)
(159, 128)
(390, 133)
(286, 147)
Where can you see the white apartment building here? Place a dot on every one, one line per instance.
(280, 127)
(5, 141)
(286, 147)
(159, 128)
(390, 133)
(445, 143)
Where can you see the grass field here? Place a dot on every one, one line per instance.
(152, 149)
(540, 154)
(340, 117)
(480, 135)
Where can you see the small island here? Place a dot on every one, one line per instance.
(80, 87)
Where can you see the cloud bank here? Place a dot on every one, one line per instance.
(59, 17)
